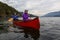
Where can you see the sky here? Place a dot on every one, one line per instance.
(35, 7)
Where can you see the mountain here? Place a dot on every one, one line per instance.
(53, 14)
(7, 11)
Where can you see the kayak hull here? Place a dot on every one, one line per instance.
(35, 23)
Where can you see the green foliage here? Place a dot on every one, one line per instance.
(6, 10)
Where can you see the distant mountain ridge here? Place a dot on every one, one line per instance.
(53, 14)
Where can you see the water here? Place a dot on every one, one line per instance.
(49, 30)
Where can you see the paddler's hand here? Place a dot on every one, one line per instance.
(10, 20)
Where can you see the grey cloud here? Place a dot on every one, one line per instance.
(43, 5)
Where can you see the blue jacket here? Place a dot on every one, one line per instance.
(15, 17)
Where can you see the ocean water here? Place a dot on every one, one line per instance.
(49, 30)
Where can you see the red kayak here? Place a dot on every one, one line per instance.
(33, 23)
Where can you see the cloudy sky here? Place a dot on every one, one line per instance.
(36, 7)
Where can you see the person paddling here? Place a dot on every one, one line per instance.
(25, 15)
